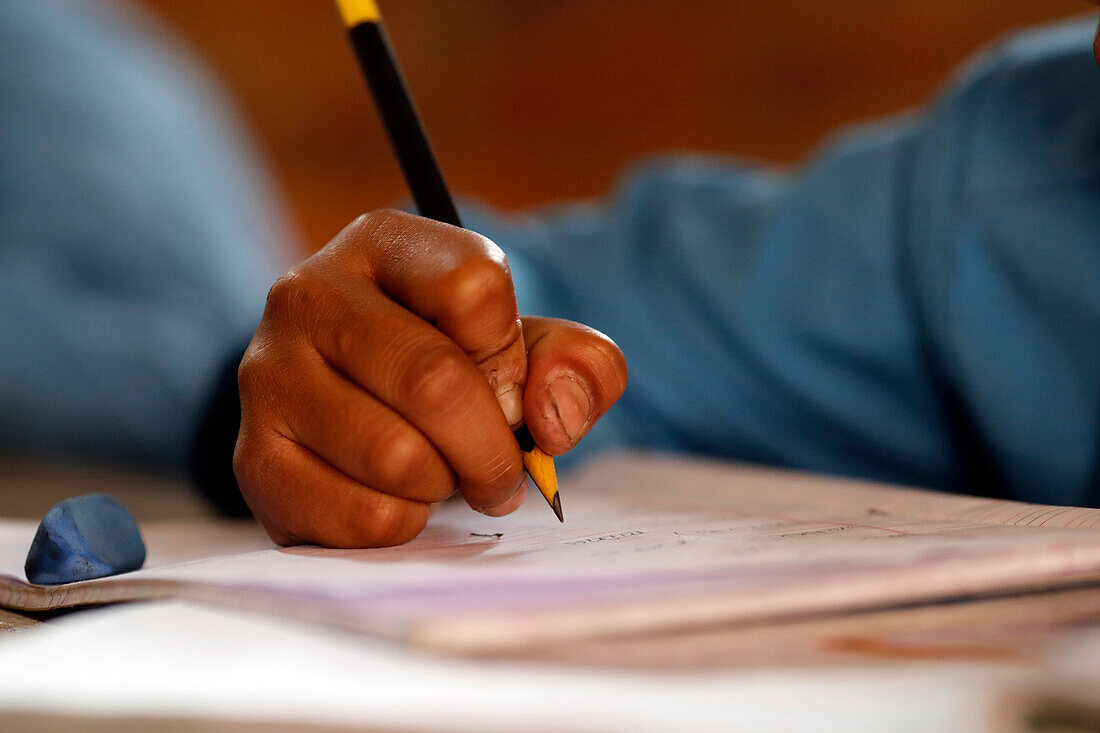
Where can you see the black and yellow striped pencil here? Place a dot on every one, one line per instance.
(422, 173)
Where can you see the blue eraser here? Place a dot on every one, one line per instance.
(84, 537)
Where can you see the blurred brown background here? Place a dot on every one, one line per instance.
(533, 100)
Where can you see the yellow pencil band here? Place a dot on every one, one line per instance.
(359, 11)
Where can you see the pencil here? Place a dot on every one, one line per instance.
(422, 174)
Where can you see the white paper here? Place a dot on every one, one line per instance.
(175, 659)
(649, 544)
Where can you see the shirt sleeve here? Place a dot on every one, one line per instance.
(918, 304)
(138, 233)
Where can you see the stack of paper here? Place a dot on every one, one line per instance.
(650, 544)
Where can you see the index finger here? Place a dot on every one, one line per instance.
(455, 279)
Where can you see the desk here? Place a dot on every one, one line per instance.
(1015, 632)
(996, 628)
(30, 486)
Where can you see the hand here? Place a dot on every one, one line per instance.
(389, 371)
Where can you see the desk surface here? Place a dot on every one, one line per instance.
(30, 486)
(985, 628)
(1013, 630)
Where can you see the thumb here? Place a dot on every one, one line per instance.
(574, 375)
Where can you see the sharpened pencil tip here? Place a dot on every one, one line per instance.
(540, 467)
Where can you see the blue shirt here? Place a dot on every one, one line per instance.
(138, 235)
(920, 303)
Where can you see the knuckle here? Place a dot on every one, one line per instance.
(345, 346)
(399, 459)
(303, 303)
(386, 522)
(393, 523)
(294, 292)
(435, 379)
(262, 376)
(281, 291)
(379, 218)
(380, 225)
(248, 375)
(242, 457)
(479, 286)
(253, 466)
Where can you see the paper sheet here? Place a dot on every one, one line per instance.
(176, 659)
(650, 544)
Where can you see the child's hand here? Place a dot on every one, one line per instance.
(389, 370)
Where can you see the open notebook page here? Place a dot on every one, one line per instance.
(650, 543)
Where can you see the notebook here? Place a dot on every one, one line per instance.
(651, 544)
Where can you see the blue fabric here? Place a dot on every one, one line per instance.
(137, 236)
(919, 304)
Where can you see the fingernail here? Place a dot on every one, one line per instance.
(571, 405)
(509, 505)
(511, 402)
